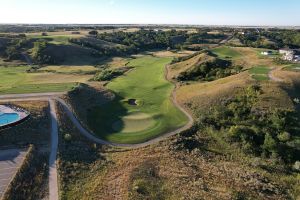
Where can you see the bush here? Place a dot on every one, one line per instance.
(210, 70)
(259, 132)
(67, 137)
(109, 74)
(297, 165)
(284, 136)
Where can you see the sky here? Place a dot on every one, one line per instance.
(194, 12)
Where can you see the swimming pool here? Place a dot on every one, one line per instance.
(8, 118)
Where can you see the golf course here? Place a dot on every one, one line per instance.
(142, 108)
(15, 80)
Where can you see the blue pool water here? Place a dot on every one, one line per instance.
(7, 118)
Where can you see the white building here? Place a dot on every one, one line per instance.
(289, 54)
(286, 51)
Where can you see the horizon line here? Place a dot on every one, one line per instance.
(149, 24)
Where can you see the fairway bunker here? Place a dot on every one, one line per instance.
(134, 122)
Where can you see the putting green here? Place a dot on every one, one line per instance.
(134, 122)
(154, 112)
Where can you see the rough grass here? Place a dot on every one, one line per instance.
(203, 95)
(17, 80)
(145, 83)
(250, 57)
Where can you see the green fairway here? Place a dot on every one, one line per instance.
(15, 80)
(260, 73)
(38, 88)
(226, 52)
(55, 39)
(154, 114)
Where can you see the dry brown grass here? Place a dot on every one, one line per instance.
(288, 76)
(68, 69)
(251, 58)
(171, 54)
(56, 78)
(117, 62)
(179, 67)
(205, 94)
(186, 175)
(274, 96)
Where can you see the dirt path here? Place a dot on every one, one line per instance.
(272, 77)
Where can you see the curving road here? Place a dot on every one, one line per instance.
(55, 97)
(88, 134)
(51, 97)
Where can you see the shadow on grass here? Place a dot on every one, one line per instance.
(107, 119)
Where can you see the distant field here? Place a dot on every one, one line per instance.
(274, 53)
(154, 113)
(69, 69)
(260, 73)
(56, 39)
(17, 80)
(226, 52)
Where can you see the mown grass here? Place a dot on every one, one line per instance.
(260, 73)
(38, 88)
(293, 67)
(16, 80)
(147, 84)
(69, 69)
(226, 52)
(56, 39)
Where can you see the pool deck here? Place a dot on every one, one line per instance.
(10, 161)
(6, 110)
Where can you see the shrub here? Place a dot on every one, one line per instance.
(284, 136)
(67, 137)
(297, 165)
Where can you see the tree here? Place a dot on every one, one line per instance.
(94, 32)
(270, 143)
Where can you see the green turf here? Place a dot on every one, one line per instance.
(145, 83)
(55, 39)
(260, 77)
(38, 88)
(226, 52)
(14, 80)
(260, 73)
(293, 67)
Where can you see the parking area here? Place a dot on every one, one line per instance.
(10, 161)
